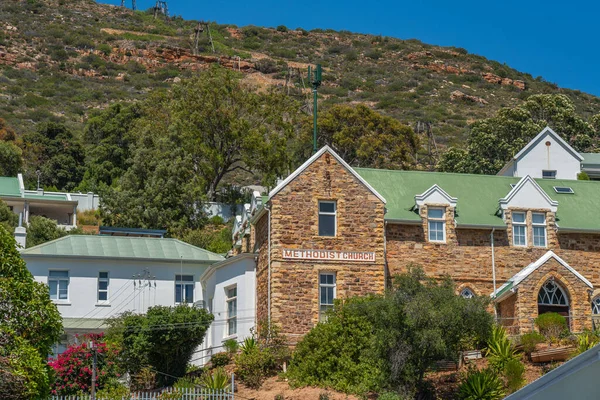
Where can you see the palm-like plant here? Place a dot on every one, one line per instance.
(500, 350)
(217, 380)
(481, 385)
(250, 344)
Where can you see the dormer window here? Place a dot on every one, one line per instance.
(436, 224)
(519, 229)
(538, 223)
(327, 218)
(549, 174)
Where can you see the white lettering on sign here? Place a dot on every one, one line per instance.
(331, 255)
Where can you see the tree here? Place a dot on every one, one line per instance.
(8, 219)
(31, 323)
(165, 338)
(56, 153)
(226, 126)
(73, 367)
(365, 138)
(389, 341)
(494, 141)
(41, 230)
(11, 161)
(108, 138)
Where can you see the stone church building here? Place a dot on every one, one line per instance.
(332, 231)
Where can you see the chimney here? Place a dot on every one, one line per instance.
(20, 234)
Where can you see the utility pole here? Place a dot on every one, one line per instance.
(316, 83)
(94, 365)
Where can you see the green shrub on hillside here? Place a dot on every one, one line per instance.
(529, 341)
(551, 325)
(481, 385)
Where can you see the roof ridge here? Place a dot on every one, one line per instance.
(434, 172)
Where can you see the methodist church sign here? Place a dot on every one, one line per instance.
(329, 255)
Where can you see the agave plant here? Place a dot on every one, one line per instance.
(217, 380)
(500, 350)
(481, 385)
(586, 341)
(250, 344)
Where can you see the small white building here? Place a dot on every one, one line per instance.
(549, 156)
(229, 290)
(95, 277)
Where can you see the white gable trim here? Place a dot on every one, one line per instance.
(311, 160)
(504, 203)
(528, 270)
(556, 136)
(421, 199)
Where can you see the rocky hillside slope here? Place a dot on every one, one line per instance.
(60, 59)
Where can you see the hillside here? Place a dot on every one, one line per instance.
(61, 59)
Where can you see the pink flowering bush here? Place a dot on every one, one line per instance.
(73, 368)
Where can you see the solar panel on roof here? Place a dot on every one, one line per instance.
(563, 189)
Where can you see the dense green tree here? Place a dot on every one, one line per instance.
(11, 159)
(108, 137)
(389, 341)
(8, 219)
(164, 338)
(57, 154)
(365, 138)
(493, 141)
(41, 230)
(31, 323)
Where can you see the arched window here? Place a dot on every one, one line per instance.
(467, 293)
(552, 294)
(596, 305)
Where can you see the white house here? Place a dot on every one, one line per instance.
(229, 290)
(95, 277)
(549, 156)
(59, 206)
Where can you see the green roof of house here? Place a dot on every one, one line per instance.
(9, 186)
(123, 247)
(57, 197)
(590, 158)
(478, 196)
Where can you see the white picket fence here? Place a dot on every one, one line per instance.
(198, 393)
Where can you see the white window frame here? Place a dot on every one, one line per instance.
(333, 285)
(467, 293)
(596, 305)
(441, 220)
(519, 224)
(539, 225)
(107, 280)
(184, 284)
(231, 318)
(334, 213)
(59, 279)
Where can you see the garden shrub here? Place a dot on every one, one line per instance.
(215, 380)
(220, 360)
(586, 341)
(500, 350)
(481, 385)
(231, 346)
(514, 372)
(530, 340)
(551, 325)
(254, 366)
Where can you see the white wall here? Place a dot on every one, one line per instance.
(123, 295)
(554, 157)
(238, 272)
(86, 201)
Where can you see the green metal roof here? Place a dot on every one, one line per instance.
(57, 197)
(9, 186)
(590, 158)
(123, 247)
(477, 195)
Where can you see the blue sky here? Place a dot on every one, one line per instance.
(557, 40)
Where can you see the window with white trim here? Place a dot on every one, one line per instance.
(231, 302)
(327, 289)
(184, 289)
(596, 306)
(58, 281)
(467, 293)
(103, 286)
(327, 218)
(436, 223)
(538, 223)
(552, 294)
(548, 174)
(519, 229)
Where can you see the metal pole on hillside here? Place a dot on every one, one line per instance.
(94, 363)
(316, 82)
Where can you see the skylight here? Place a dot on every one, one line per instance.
(563, 189)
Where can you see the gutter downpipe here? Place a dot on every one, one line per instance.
(494, 271)
(269, 267)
